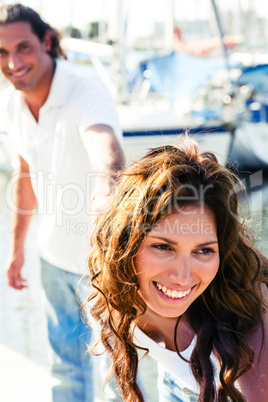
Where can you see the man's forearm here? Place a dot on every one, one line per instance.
(107, 159)
(104, 150)
(25, 204)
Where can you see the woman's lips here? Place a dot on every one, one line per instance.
(172, 293)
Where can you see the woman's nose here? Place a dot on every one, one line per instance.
(180, 271)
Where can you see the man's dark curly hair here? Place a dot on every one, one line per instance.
(18, 13)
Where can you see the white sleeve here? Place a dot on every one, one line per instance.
(98, 108)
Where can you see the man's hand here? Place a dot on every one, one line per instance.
(14, 267)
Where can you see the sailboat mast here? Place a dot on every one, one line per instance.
(169, 26)
(118, 38)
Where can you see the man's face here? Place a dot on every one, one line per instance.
(24, 60)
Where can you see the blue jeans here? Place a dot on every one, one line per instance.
(68, 335)
(170, 388)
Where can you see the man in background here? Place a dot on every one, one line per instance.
(68, 138)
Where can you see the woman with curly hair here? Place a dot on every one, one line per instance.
(175, 273)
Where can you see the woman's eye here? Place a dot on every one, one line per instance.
(205, 251)
(161, 247)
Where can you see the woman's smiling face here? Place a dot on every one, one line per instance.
(177, 260)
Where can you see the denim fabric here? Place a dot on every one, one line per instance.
(171, 389)
(68, 335)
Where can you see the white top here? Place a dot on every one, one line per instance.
(61, 173)
(169, 359)
(173, 362)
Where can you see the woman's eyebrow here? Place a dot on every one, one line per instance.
(174, 242)
(208, 243)
(164, 239)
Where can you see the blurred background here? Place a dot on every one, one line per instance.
(171, 66)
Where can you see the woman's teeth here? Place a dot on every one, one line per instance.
(174, 294)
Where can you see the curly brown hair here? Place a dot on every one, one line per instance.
(168, 178)
(12, 13)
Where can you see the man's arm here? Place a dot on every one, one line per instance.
(254, 383)
(106, 157)
(25, 202)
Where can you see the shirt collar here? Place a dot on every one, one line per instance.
(58, 90)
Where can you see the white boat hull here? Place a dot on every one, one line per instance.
(136, 146)
(250, 147)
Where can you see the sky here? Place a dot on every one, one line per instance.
(141, 13)
(63, 12)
